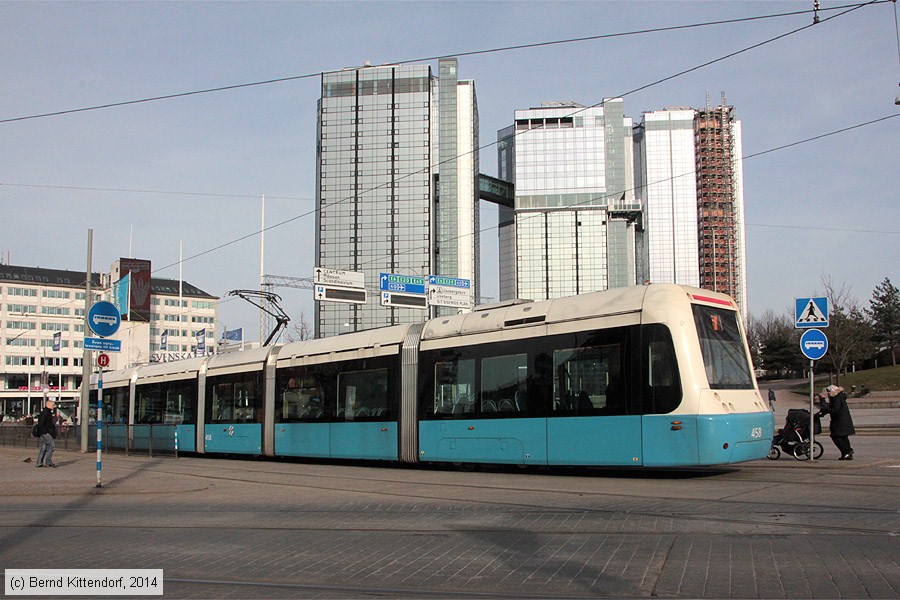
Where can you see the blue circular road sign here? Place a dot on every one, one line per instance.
(104, 319)
(813, 344)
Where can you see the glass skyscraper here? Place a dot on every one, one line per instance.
(397, 175)
(690, 183)
(574, 225)
(668, 191)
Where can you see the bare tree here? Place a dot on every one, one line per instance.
(299, 330)
(849, 332)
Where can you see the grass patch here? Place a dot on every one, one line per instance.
(882, 379)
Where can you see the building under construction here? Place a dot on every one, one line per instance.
(720, 226)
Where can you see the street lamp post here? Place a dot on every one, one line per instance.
(27, 408)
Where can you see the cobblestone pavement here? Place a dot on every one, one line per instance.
(246, 528)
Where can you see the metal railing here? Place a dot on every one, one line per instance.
(152, 440)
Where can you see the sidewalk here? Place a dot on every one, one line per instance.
(76, 475)
(869, 413)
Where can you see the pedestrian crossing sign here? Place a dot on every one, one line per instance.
(810, 312)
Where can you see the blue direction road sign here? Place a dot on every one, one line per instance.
(449, 281)
(405, 284)
(810, 312)
(102, 345)
(813, 344)
(104, 319)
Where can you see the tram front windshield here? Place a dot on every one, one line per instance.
(724, 357)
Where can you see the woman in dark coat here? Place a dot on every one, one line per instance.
(841, 421)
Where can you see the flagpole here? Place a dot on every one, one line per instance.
(262, 276)
(180, 282)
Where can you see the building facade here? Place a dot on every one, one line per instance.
(667, 187)
(690, 184)
(720, 203)
(397, 174)
(575, 224)
(36, 303)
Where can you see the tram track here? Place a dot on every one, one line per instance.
(343, 591)
(758, 513)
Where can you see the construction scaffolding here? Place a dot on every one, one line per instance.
(717, 223)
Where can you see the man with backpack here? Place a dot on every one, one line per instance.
(46, 430)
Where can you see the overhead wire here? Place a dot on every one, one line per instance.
(657, 82)
(418, 172)
(509, 48)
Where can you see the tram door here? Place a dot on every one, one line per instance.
(366, 424)
(234, 413)
(589, 421)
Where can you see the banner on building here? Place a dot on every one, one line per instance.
(164, 341)
(139, 301)
(120, 295)
(201, 342)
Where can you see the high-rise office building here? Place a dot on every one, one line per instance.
(575, 222)
(690, 184)
(397, 173)
(667, 187)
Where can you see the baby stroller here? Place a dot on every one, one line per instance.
(793, 438)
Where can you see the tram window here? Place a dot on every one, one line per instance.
(303, 398)
(363, 395)
(662, 386)
(589, 381)
(180, 401)
(504, 385)
(149, 404)
(454, 386)
(722, 346)
(235, 400)
(116, 400)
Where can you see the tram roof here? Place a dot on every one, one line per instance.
(370, 338)
(572, 308)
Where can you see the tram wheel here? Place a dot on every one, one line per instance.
(465, 467)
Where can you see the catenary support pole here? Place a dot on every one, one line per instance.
(83, 405)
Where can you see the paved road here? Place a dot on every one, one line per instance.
(245, 528)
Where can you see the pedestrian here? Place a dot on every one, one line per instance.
(841, 422)
(771, 399)
(47, 432)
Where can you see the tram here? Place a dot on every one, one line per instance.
(647, 376)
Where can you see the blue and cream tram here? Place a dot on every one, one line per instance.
(654, 376)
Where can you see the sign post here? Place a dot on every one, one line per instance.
(104, 320)
(809, 313)
(814, 345)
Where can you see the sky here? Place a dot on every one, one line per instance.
(185, 176)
